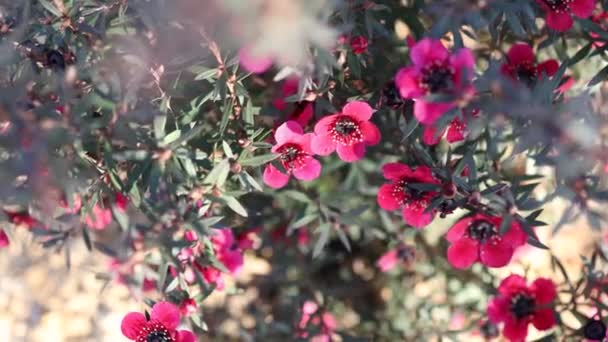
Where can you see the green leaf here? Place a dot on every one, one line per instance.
(219, 174)
(599, 77)
(50, 7)
(325, 230)
(235, 205)
(159, 126)
(259, 160)
(302, 221)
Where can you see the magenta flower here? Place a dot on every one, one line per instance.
(296, 154)
(518, 304)
(403, 254)
(348, 132)
(313, 316)
(226, 250)
(559, 12)
(401, 192)
(476, 238)
(434, 72)
(99, 218)
(253, 62)
(4, 241)
(359, 44)
(455, 132)
(162, 325)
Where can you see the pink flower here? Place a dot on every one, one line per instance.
(348, 132)
(476, 238)
(4, 241)
(402, 254)
(188, 307)
(122, 202)
(99, 219)
(313, 316)
(358, 44)
(559, 12)
(226, 250)
(456, 132)
(294, 148)
(253, 62)
(518, 305)
(521, 65)
(162, 325)
(401, 192)
(434, 72)
(22, 219)
(302, 112)
(601, 19)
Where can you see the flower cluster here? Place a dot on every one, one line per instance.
(348, 132)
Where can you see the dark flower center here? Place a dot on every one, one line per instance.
(409, 190)
(489, 330)
(391, 96)
(346, 131)
(522, 305)
(481, 230)
(594, 330)
(558, 5)
(437, 78)
(155, 332)
(527, 74)
(292, 156)
(406, 253)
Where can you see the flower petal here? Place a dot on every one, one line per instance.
(322, 144)
(544, 319)
(582, 8)
(325, 124)
(233, 260)
(548, 68)
(521, 53)
(427, 113)
(254, 63)
(515, 329)
(515, 236)
(463, 59)
(456, 131)
(388, 261)
(132, 324)
(560, 22)
(371, 133)
(360, 110)
(430, 137)
(185, 336)
(396, 171)
(274, 178)
(351, 153)
(287, 132)
(458, 229)
(309, 171)
(498, 309)
(511, 284)
(388, 198)
(544, 290)
(427, 51)
(4, 241)
(166, 313)
(407, 82)
(414, 215)
(463, 253)
(495, 252)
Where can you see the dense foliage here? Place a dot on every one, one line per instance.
(355, 145)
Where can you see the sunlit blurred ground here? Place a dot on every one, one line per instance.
(40, 300)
